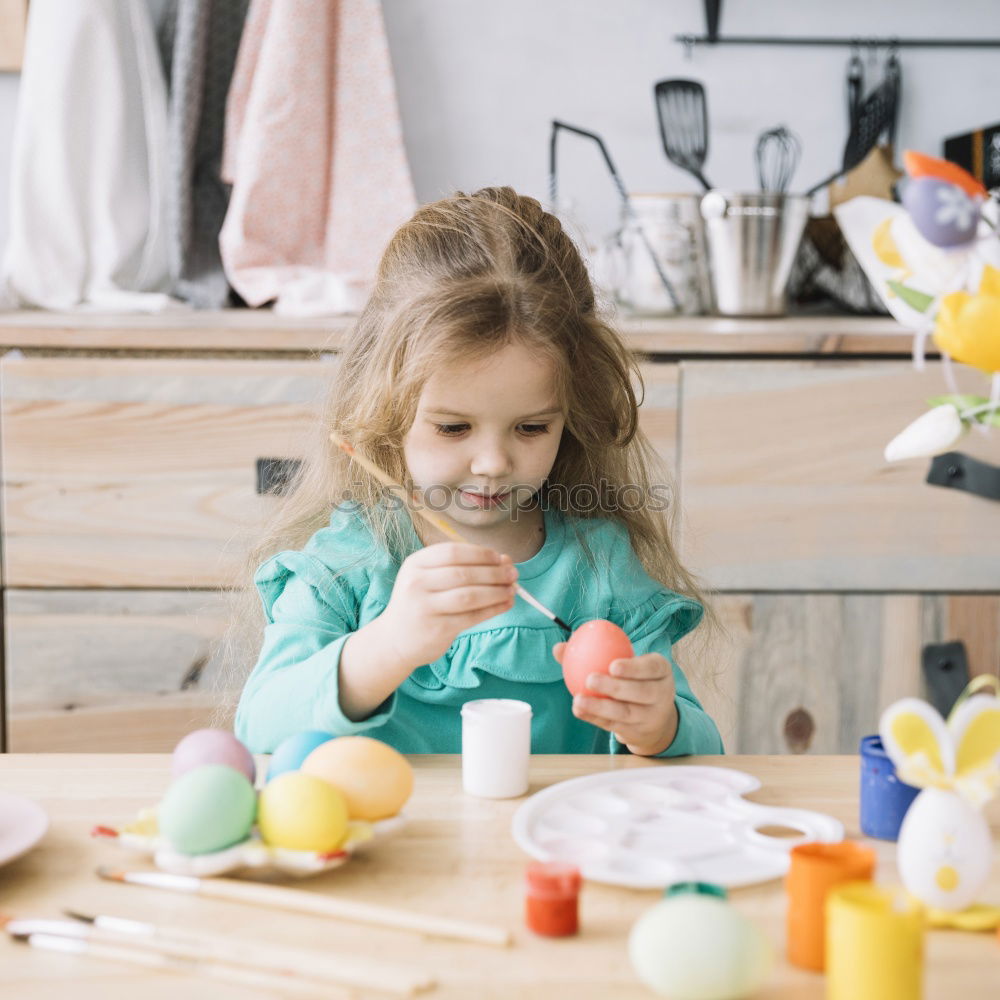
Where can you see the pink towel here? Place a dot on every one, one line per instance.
(314, 151)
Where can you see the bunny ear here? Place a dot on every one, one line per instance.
(916, 738)
(975, 729)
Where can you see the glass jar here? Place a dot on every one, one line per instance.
(670, 227)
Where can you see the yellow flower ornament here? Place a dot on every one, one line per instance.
(968, 329)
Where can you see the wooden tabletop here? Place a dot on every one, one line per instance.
(455, 857)
(196, 331)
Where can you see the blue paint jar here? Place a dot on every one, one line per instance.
(884, 798)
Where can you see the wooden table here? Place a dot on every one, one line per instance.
(455, 857)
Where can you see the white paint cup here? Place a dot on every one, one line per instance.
(496, 747)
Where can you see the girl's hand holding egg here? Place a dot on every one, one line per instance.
(442, 590)
(630, 696)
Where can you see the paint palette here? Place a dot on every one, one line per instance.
(249, 857)
(648, 827)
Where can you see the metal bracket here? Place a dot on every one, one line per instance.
(960, 472)
(713, 11)
(946, 673)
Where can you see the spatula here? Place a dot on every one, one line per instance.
(683, 116)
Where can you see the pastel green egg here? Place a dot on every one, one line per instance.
(302, 812)
(694, 946)
(208, 808)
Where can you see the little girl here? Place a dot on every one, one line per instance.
(480, 376)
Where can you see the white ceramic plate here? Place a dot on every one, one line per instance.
(250, 857)
(648, 827)
(22, 825)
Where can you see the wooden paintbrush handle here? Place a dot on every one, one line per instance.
(359, 912)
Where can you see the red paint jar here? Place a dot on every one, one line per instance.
(552, 890)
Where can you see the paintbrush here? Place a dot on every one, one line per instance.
(37, 934)
(439, 522)
(346, 970)
(278, 897)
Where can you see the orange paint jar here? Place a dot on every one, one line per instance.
(551, 898)
(815, 870)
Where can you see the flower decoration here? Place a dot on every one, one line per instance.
(930, 434)
(968, 329)
(935, 261)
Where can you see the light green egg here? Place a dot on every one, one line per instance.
(207, 809)
(699, 947)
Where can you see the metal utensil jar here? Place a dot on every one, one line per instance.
(752, 241)
(674, 231)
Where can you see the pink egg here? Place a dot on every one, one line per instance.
(211, 746)
(590, 650)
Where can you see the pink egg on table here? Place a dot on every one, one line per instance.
(211, 746)
(590, 650)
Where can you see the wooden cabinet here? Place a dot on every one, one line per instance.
(811, 672)
(785, 487)
(130, 482)
(130, 487)
(112, 670)
(832, 568)
(141, 472)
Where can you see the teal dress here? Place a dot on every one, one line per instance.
(315, 598)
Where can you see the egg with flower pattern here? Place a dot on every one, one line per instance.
(943, 213)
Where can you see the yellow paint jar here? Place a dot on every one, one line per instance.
(874, 944)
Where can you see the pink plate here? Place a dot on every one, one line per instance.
(22, 825)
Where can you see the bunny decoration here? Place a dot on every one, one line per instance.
(945, 847)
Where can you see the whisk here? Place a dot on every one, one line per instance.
(778, 152)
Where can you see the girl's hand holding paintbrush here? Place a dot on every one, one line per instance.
(440, 591)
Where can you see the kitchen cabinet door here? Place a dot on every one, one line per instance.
(142, 472)
(812, 672)
(784, 485)
(110, 671)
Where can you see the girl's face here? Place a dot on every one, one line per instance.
(485, 436)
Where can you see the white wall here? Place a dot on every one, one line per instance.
(479, 83)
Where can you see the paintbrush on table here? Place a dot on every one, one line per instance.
(302, 901)
(345, 970)
(439, 522)
(38, 934)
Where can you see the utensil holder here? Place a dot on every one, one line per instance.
(752, 241)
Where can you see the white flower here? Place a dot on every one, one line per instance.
(954, 206)
(936, 431)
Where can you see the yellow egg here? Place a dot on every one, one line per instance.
(375, 779)
(302, 812)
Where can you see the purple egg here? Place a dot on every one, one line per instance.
(211, 746)
(942, 212)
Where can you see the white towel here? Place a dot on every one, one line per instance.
(88, 204)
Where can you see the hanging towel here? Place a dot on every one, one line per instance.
(314, 151)
(199, 40)
(87, 204)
